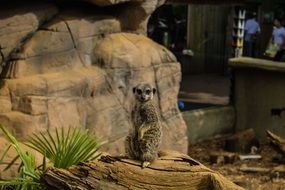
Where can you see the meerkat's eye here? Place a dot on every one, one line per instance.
(147, 92)
(139, 91)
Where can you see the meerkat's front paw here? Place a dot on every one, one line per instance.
(145, 164)
(142, 130)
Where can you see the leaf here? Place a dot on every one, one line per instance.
(96, 156)
(62, 149)
(5, 153)
(65, 148)
(12, 162)
(19, 183)
(28, 176)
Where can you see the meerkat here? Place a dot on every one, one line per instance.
(144, 140)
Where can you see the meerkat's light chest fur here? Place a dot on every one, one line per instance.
(144, 117)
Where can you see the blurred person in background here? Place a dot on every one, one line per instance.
(252, 29)
(278, 38)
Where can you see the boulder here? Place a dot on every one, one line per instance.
(130, 59)
(61, 45)
(78, 68)
(133, 14)
(18, 23)
(136, 14)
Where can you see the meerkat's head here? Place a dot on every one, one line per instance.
(144, 92)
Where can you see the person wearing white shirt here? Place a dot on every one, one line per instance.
(252, 28)
(278, 37)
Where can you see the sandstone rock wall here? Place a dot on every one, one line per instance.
(75, 63)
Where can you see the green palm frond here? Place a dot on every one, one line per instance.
(64, 149)
(27, 159)
(19, 184)
(4, 155)
(29, 176)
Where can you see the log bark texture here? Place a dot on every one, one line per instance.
(277, 142)
(170, 171)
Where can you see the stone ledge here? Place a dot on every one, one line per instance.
(261, 64)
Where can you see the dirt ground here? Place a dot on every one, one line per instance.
(271, 180)
(204, 90)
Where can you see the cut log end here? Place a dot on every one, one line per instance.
(170, 171)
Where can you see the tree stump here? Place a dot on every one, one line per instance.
(170, 171)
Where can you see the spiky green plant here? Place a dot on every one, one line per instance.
(65, 149)
(62, 149)
(29, 175)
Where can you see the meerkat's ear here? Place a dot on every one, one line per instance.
(154, 91)
(134, 90)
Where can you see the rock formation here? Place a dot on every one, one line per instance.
(74, 63)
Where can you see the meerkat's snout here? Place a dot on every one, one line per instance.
(143, 98)
(146, 95)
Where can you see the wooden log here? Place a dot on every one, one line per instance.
(241, 142)
(277, 142)
(171, 171)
